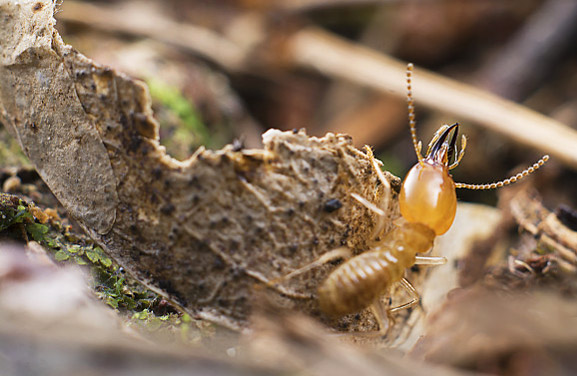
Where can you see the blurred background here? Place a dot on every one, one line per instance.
(224, 70)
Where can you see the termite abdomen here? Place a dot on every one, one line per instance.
(357, 283)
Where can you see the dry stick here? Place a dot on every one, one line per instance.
(373, 122)
(371, 118)
(533, 52)
(332, 56)
(139, 20)
(302, 6)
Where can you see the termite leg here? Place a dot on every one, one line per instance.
(385, 321)
(369, 205)
(383, 316)
(335, 254)
(415, 298)
(430, 260)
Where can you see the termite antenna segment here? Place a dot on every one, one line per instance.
(411, 107)
(508, 181)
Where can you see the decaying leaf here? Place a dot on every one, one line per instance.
(207, 232)
(84, 182)
(553, 236)
(546, 253)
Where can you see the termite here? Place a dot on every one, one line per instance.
(428, 204)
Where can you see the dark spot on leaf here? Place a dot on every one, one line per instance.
(218, 263)
(167, 209)
(157, 173)
(37, 7)
(332, 205)
(194, 181)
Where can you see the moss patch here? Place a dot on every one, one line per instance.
(145, 309)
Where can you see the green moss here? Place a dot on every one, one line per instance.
(61, 256)
(191, 130)
(10, 153)
(109, 281)
(392, 164)
(13, 211)
(37, 231)
(173, 327)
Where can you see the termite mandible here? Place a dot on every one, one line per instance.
(428, 205)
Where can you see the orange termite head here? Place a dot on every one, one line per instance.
(428, 191)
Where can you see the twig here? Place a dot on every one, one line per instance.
(332, 56)
(137, 19)
(370, 118)
(373, 122)
(524, 62)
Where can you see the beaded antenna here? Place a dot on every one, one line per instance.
(452, 147)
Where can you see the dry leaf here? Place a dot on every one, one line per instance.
(206, 232)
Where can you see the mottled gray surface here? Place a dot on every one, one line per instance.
(39, 102)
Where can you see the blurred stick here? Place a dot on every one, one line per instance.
(335, 57)
(142, 20)
(377, 120)
(308, 5)
(371, 118)
(525, 61)
(332, 56)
